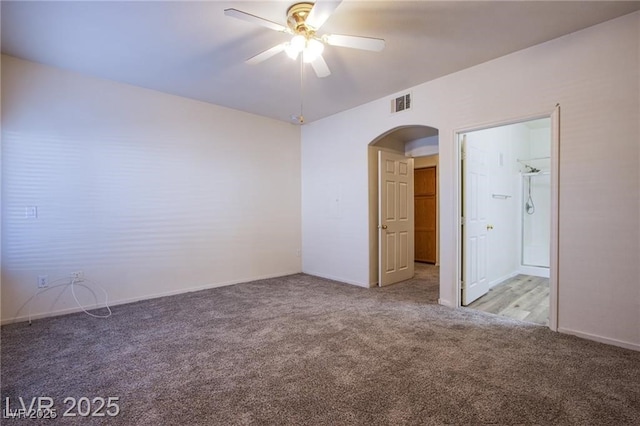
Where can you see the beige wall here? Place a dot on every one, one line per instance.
(149, 194)
(428, 161)
(594, 74)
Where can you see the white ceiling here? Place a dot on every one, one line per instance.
(192, 49)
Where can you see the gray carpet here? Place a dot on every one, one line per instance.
(304, 350)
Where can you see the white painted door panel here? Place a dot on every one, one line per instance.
(395, 218)
(475, 200)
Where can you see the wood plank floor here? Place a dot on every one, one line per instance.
(522, 297)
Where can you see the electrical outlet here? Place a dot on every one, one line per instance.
(43, 281)
(77, 276)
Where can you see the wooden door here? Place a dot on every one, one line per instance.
(426, 205)
(395, 215)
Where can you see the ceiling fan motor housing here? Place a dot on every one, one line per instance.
(296, 17)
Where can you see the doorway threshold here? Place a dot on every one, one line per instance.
(523, 297)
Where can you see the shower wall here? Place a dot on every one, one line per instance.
(536, 227)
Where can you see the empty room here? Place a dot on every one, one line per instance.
(280, 212)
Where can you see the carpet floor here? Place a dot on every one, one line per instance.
(301, 350)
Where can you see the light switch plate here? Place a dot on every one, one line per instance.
(31, 212)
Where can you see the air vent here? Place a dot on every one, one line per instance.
(401, 103)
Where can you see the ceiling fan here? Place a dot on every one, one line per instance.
(303, 22)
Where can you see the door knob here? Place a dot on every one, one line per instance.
(489, 227)
(383, 227)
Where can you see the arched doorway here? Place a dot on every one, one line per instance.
(418, 142)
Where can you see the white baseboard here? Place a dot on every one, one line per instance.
(334, 278)
(601, 339)
(503, 279)
(146, 297)
(535, 271)
(446, 303)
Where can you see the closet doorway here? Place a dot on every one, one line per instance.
(426, 208)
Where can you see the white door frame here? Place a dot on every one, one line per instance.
(555, 196)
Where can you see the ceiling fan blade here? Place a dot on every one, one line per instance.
(320, 12)
(320, 67)
(354, 42)
(238, 14)
(263, 56)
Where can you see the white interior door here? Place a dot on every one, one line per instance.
(395, 218)
(475, 200)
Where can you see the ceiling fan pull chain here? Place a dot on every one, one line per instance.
(301, 118)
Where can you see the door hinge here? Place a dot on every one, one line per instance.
(463, 148)
(462, 221)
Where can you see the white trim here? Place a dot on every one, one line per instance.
(506, 122)
(339, 279)
(457, 192)
(446, 303)
(600, 339)
(147, 297)
(535, 271)
(554, 262)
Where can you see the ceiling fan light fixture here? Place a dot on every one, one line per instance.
(295, 46)
(291, 51)
(298, 42)
(312, 51)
